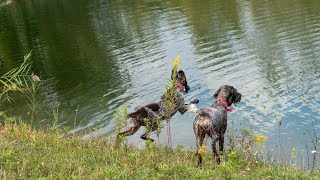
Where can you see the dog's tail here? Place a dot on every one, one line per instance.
(192, 106)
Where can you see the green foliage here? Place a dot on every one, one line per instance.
(32, 95)
(27, 154)
(121, 118)
(148, 144)
(169, 97)
(148, 125)
(121, 138)
(159, 126)
(66, 130)
(4, 119)
(15, 80)
(55, 113)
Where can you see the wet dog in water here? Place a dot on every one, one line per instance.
(212, 120)
(152, 112)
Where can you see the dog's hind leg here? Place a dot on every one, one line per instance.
(215, 139)
(200, 135)
(133, 129)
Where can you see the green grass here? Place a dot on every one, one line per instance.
(25, 153)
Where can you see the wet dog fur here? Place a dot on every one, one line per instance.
(152, 112)
(212, 120)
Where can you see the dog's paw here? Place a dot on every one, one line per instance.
(196, 101)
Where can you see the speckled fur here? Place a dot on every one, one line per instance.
(154, 111)
(212, 120)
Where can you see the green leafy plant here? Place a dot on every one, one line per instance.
(16, 80)
(121, 118)
(169, 98)
(159, 127)
(55, 113)
(148, 144)
(4, 119)
(32, 95)
(148, 125)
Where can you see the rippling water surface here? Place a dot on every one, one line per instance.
(97, 56)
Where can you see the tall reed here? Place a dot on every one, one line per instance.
(169, 98)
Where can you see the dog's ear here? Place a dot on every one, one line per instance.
(235, 96)
(187, 87)
(216, 93)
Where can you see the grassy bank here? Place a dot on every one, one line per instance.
(29, 154)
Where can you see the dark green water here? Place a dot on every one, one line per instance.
(96, 56)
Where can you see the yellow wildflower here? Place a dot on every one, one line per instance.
(163, 166)
(176, 62)
(33, 136)
(260, 139)
(202, 149)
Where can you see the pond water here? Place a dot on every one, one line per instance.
(96, 56)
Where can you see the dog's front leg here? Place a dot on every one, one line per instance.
(145, 136)
(221, 138)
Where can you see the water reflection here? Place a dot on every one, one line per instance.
(66, 52)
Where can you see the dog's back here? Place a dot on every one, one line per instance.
(142, 112)
(209, 121)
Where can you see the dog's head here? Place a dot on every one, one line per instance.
(181, 81)
(228, 93)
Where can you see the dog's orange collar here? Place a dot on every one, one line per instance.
(225, 103)
(180, 86)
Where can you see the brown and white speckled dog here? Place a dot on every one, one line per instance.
(212, 120)
(157, 110)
